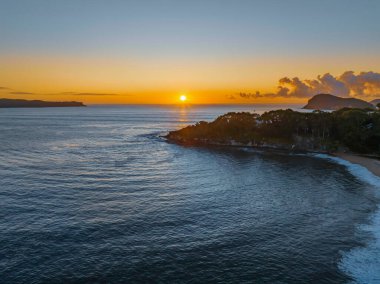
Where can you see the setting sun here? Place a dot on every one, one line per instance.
(182, 98)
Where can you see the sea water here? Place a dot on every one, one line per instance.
(96, 195)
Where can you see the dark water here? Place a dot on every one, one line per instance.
(95, 195)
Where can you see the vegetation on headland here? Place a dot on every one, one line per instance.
(357, 130)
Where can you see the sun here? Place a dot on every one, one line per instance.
(182, 98)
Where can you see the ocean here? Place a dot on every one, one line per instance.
(96, 195)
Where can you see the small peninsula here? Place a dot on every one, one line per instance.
(16, 103)
(345, 130)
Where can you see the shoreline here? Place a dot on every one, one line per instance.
(371, 164)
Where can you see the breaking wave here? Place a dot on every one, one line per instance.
(362, 263)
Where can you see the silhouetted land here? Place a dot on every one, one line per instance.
(354, 130)
(330, 102)
(14, 103)
(375, 102)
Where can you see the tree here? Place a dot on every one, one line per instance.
(356, 129)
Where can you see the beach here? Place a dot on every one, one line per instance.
(372, 164)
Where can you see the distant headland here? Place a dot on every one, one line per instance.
(330, 102)
(16, 103)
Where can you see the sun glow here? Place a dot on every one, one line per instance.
(182, 98)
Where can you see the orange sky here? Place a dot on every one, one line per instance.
(151, 52)
(162, 80)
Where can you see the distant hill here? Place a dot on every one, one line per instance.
(375, 102)
(14, 103)
(330, 102)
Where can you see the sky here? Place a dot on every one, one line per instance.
(142, 51)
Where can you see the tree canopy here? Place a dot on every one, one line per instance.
(355, 129)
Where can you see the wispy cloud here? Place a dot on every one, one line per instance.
(62, 93)
(88, 94)
(255, 95)
(4, 88)
(95, 94)
(21, 93)
(364, 84)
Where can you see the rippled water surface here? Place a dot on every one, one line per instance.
(95, 195)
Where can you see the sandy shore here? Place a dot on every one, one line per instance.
(372, 164)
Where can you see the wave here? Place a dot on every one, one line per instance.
(357, 170)
(362, 263)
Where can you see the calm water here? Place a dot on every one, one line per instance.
(95, 195)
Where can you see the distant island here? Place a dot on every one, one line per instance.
(15, 103)
(330, 102)
(348, 129)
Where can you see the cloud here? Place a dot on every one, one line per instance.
(88, 94)
(21, 93)
(365, 84)
(250, 95)
(257, 95)
(306, 88)
(62, 93)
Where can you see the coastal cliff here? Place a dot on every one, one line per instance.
(15, 103)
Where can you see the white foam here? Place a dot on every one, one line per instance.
(362, 263)
(357, 170)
